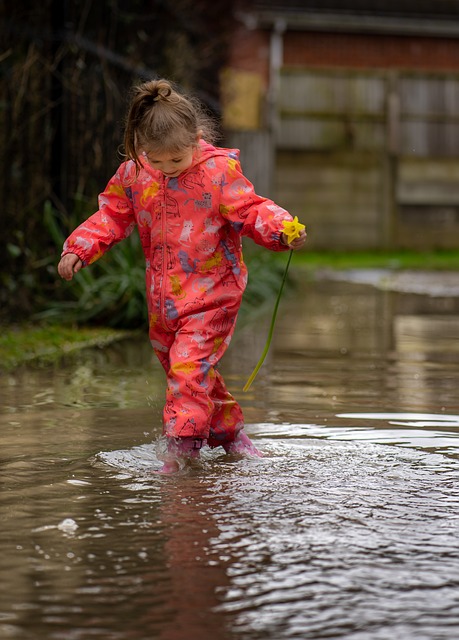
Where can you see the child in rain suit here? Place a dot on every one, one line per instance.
(191, 204)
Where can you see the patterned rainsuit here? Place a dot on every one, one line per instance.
(190, 229)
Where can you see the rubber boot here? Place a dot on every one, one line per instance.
(242, 445)
(177, 451)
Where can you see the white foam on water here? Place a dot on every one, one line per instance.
(138, 460)
(408, 418)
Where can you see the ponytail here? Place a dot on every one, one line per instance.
(160, 118)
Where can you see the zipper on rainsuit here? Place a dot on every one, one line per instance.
(162, 291)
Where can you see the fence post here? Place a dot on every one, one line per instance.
(390, 161)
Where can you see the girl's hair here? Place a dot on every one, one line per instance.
(162, 119)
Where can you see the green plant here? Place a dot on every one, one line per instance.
(111, 292)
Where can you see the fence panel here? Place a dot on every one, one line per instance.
(398, 130)
(330, 110)
(429, 115)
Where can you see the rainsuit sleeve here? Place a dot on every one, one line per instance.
(113, 222)
(250, 214)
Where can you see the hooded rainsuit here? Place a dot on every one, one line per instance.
(190, 229)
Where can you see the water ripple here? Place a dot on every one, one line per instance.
(349, 540)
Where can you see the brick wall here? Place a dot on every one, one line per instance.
(250, 51)
(370, 51)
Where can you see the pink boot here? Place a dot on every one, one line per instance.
(177, 451)
(242, 445)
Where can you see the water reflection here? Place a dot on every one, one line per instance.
(347, 528)
(344, 347)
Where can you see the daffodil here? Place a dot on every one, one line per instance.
(292, 230)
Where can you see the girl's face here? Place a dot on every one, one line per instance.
(171, 164)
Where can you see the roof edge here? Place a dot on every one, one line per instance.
(296, 21)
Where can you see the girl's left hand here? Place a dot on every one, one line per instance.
(297, 243)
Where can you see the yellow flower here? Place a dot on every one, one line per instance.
(292, 229)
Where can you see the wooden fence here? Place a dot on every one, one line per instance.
(366, 159)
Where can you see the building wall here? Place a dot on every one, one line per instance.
(366, 142)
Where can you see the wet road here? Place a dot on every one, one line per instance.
(347, 528)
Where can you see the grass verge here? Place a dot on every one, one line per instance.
(447, 260)
(45, 344)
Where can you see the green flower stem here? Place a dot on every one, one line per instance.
(271, 328)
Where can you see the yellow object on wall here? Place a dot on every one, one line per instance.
(241, 93)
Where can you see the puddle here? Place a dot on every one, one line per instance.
(347, 528)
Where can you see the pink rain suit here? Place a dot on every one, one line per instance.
(190, 229)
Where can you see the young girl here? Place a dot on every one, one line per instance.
(191, 204)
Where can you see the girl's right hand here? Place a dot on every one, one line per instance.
(68, 265)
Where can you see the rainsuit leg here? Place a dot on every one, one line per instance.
(197, 402)
(227, 419)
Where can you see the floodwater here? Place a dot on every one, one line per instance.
(348, 527)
